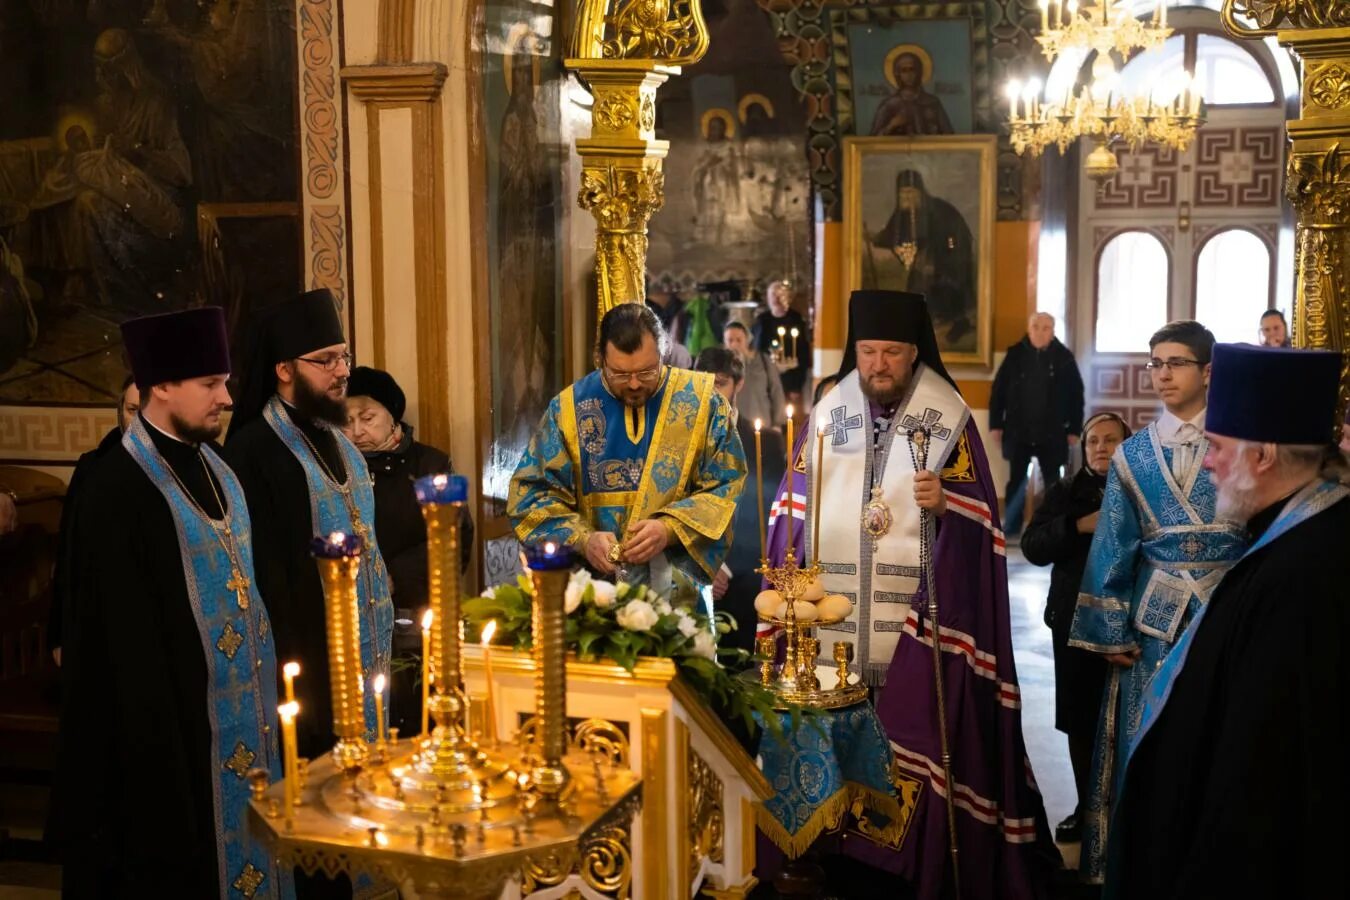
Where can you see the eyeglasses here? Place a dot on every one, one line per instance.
(1172, 364)
(329, 363)
(645, 376)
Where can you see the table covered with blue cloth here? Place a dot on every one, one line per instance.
(834, 763)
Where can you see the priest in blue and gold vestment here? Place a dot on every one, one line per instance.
(637, 465)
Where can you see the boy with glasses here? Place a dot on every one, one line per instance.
(1158, 552)
(635, 465)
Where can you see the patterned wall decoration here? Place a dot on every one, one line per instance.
(51, 436)
(501, 560)
(1238, 167)
(1123, 387)
(324, 194)
(1149, 179)
(806, 37)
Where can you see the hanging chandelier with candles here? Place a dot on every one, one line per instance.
(1168, 115)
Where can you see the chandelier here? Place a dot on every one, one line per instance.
(1168, 114)
(1103, 27)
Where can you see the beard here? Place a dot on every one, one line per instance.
(319, 406)
(194, 434)
(1236, 500)
(886, 392)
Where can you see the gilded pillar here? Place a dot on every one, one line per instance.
(1318, 182)
(623, 51)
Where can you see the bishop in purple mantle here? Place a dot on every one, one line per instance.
(872, 482)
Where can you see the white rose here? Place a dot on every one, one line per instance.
(662, 607)
(637, 615)
(605, 593)
(705, 644)
(490, 593)
(685, 623)
(576, 586)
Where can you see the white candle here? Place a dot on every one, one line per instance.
(378, 685)
(1045, 15)
(288, 672)
(489, 703)
(426, 668)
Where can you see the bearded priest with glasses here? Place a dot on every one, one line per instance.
(637, 465)
(1159, 551)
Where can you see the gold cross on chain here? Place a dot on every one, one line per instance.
(239, 584)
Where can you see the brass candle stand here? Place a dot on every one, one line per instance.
(438, 814)
(794, 680)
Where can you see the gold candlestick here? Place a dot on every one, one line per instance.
(489, 699)
(759, 489)
(766, 647)
(427, 619)
(339, 559)
(289, 672)
(550, 567)
(843, 652)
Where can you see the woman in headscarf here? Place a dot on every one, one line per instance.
(1060, 533)
(375, 407)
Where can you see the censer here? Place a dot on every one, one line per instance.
(440, 815)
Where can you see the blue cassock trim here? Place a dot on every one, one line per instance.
(241, 666)
(611, 461)
(330, 512)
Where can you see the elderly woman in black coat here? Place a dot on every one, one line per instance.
(1060, 534)
(375, 407)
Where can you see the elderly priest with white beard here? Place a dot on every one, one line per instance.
(1236, 782)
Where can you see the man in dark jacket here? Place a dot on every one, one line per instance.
(1060, 533)
(375, 407)
(1036, 410)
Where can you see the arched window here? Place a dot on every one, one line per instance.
(1227, 72)
(1132, 279)
(1232, 285)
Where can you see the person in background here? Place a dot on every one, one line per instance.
(761, 395)
(738, 583)
(780, 314)
(375, 407)
(1274, 329)
(669, 308)
(1035, 410)
(1060, 534)
(128, 404)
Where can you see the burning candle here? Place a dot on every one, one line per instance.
(759, 488)
(788, 510)
(819, 467)
(792, 353)
(548, 557)
(289, 754)
(288, 672)
(489, 701)
(426, 667)
(378, 685)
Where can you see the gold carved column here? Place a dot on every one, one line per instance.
(1318, 182)
(623, 50)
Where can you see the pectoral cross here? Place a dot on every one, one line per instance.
(239, 584)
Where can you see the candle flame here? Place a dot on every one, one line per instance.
(781, 331)
(488, 631)
(337, 537)
(441, 480)
(379, 683)
(288, 711)
(550, 548)
(382, 839)
(426, 620)
(794, 332)
(759, 423)
(291, 669)
(789, 410)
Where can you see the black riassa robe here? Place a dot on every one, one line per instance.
(132, 806)
(1240, 787)
(288, 578)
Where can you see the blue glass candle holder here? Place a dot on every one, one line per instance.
(548, 557)
(441, 489)
(336, 546)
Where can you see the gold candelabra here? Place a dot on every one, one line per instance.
(794, 680)
(437, 812)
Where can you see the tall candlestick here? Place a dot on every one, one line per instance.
(378, 685)
(550, 567)
(490, 702)
(818, 467)
(1045, 15)
(288, 672)
(339, 559)
(793, 353)
(759, 489)
(442, 498)
(790, 545)
(427, 618)
(1163, 22)
(289, 754)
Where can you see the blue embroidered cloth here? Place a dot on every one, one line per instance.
(831, 762)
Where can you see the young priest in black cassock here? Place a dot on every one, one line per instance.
(169, 671)
(1237, 784)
